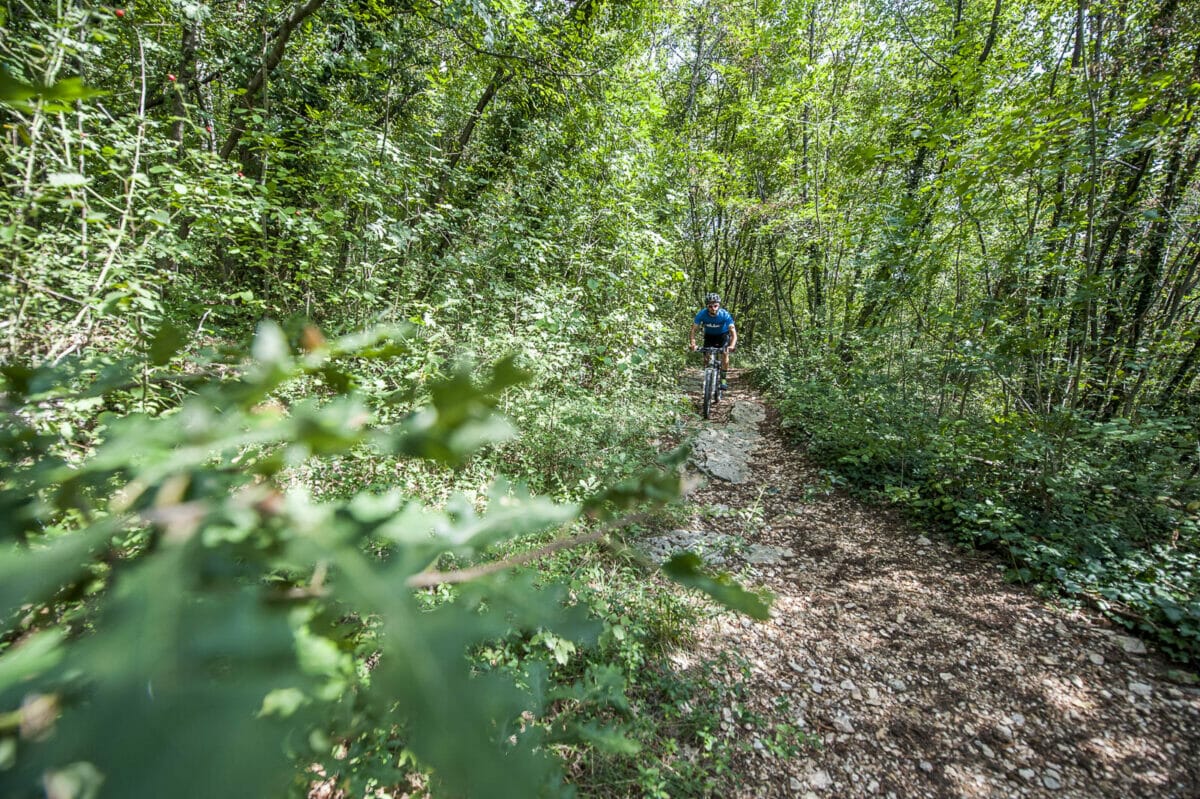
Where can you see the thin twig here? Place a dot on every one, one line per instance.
(913, 39)
(123, 227)
(43, 289)
(435, 578)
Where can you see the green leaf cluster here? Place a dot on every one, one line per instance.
(177, 577)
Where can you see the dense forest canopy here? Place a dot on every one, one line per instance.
(960, 240)
(1017, 176)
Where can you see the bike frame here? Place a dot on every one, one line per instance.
(711, 387)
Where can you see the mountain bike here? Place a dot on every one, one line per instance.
(711, 391)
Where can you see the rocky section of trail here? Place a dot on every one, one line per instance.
(917, 668)
(724, 451)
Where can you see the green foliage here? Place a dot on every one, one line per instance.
(177, 572)
(686, 568)
(976, 268)
(680, 724)
(1101, 510)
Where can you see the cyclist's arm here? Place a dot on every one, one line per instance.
(732, 337)
(692, 335)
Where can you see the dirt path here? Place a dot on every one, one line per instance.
(923, 673)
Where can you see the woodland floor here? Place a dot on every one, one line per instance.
(921, 672)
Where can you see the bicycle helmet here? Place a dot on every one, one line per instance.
(711, 297)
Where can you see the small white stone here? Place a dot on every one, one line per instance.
(1027, 774)
(820, 780)
(946, 676)
(926, 766)
(1051, 781)
(1141, 689)
(1096, 658)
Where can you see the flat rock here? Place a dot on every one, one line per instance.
(1131, 645)
(747, 414)
(724, 451)
(758, 553)
(714, 548)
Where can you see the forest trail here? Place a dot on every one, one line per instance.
(921, 671)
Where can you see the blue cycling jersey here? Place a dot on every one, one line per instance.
(717, 324)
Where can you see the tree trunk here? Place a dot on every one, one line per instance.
(259, 79)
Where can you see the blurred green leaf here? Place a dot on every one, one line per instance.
(687, 569)
(167, 341)
(606, 739)
(30, 657)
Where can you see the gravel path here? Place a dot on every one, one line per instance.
(921, 672)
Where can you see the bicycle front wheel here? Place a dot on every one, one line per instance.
(710, 390)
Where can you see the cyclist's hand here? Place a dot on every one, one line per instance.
(692, 347)
(732, 347)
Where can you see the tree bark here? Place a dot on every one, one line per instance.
(259, 79)
(499, 79)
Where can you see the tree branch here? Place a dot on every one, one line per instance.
(435, 578)
(298, 15)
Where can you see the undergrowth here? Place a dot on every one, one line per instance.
(1102, 512)
(625, 721)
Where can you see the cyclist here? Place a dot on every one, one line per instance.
(719, 330)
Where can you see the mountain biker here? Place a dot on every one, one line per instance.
(719, 330)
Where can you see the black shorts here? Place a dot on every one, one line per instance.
(716, 339)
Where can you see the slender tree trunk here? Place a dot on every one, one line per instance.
(258, 81)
